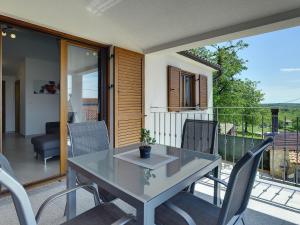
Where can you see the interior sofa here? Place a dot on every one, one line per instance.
(47, 146)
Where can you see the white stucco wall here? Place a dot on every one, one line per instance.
(156, 95)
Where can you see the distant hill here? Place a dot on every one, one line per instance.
(282, 105)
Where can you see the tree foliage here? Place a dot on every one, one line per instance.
(229, 90)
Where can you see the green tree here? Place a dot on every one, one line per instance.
(228, 89)
(249, 97)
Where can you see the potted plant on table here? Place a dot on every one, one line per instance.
(146, 141)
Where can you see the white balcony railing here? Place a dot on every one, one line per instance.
(238, 132)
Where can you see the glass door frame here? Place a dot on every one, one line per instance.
(1, 79)
(103, 74)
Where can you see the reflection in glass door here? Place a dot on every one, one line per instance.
(82, 82)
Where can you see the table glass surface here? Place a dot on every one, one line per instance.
(137, 181)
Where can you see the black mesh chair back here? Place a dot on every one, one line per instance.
(88, 137)
(241, 182)
(200, 135)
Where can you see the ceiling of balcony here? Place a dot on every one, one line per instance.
(154, 25)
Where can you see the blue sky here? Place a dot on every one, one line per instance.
(274, 61)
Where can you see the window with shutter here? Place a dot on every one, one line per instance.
(203, 102)
(182, 89)
(188, 89)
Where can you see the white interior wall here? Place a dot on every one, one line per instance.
(35, 109)
(156, 95)
(40, 108)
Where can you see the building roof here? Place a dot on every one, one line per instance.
(201, 60)
(288, 140)
(226, 128)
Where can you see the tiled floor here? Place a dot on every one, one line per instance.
(271, 202)
(258, 213)
(20, 154)
(271, 192)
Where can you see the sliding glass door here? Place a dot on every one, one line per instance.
(82, 82)
(1, 91)
(80, 89)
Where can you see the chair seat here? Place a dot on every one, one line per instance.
(47, 141)
(105, 214)
(202, 212)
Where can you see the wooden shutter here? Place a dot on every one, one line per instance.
(129, 96)
(203, 102)
(174, 90)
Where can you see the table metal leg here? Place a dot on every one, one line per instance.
(217, 185)
(71, 197)
(146, 215)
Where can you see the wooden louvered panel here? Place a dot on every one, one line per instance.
(132, 104)
(134, 96)
(132, 111)
(203, 92)
(129, 96)
(133, 99)
(131, 83)
(133, 108)
(130, 62)
(129, 89)
(127, 69)
(129, 131)
(174, 91)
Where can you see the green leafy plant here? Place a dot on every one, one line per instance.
(147, 176)
(146, 138)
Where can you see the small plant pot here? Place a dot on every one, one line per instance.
(145, 151)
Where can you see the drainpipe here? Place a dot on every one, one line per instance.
(275, 123)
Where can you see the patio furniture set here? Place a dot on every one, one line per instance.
(161, 193)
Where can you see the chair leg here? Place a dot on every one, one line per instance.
(243, 221)
(240, 218)
(96, 199)
(65, 212)
(192, 188)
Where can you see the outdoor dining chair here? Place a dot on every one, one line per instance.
(186, 208)
(102, 214)
(85, 138)
(202, 136)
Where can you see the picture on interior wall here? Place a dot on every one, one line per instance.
(46, 87)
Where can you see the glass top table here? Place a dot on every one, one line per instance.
(141, 187)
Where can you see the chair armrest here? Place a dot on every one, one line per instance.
(124, 220)
(60, 194)
(181, 212)
(211, 177)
